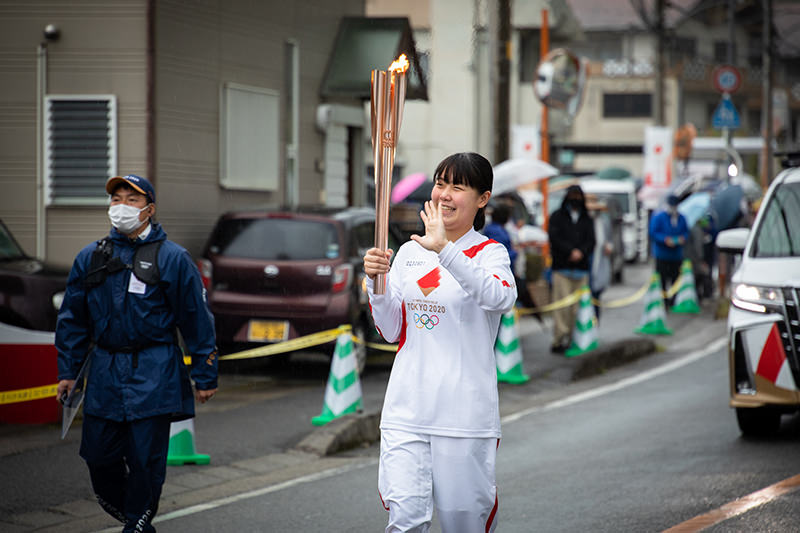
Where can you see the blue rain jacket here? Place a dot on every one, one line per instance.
(119, 315)
(661, 227)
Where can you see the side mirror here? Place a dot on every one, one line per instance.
(732, 241)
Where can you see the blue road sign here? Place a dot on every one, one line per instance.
(725, 116)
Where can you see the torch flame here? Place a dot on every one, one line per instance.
(399, 65)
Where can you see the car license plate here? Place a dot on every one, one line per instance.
(267, 331)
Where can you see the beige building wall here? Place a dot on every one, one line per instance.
(101, 50)
(242, 42)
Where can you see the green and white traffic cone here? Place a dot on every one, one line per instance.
(343, 392)
(654, 316)
(686, 297)
(181, 445)
(508, 351)
(584, 334)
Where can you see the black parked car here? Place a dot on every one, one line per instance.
(274, 275)
(30, 290)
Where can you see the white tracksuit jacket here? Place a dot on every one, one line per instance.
(444, 311)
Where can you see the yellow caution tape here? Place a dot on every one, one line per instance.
(676, 286)
(376, 345)
(568, 300)
(28, 395)
(574, 297)
(323, 337)
(291, 345)
(622, 302)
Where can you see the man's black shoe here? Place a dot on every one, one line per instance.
(558, 348)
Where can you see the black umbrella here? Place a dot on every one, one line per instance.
(726, 203)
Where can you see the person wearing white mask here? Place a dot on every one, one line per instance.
(127, 298)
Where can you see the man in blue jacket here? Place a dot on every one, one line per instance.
(668, 233)
(127, 296)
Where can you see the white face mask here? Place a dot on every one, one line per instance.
(125, 218)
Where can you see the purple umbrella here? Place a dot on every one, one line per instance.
(406, 186)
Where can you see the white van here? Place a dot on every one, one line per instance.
(623, 193)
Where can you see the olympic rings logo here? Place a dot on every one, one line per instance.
(425, 321)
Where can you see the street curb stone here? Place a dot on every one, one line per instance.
(344, 433)
(612, 355)
(359, 429)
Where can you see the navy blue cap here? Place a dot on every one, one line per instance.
(673, 200)
(137, 183)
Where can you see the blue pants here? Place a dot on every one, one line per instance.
(127, 465)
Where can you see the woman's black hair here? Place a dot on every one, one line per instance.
(472, 170)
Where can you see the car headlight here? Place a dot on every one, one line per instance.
(756, 298)
(57, 299)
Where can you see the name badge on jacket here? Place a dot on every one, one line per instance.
(135, 286)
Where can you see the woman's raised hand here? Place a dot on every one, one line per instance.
(435, 237)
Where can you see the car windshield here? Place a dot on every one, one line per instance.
(279, 239)
(779, 232)
(8, 247)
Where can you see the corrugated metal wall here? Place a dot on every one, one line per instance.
(198, 45)
(241, 42)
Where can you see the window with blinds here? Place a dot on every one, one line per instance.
(80, 148)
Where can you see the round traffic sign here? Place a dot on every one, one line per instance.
(727, 79)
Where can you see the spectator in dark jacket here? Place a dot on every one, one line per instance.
(668, 233)
(571, 233)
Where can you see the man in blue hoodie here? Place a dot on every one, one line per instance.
(668, 233)
(127, 297)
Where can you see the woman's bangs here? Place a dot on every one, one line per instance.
(456, 170)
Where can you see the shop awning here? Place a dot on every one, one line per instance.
(364, 44)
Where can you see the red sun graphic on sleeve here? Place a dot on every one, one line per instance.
(430, 281)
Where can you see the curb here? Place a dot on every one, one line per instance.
(612, 355)
(344, 433)
(361, 429)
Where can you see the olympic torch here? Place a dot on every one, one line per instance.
(387, 96)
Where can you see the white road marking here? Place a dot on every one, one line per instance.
(570, 400)
(621, 384)
(310, 478)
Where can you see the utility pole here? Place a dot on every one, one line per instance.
(499, 75)
(766, 97)
(731, 56)
(659, 89)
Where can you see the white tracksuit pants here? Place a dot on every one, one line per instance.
(457, 475)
